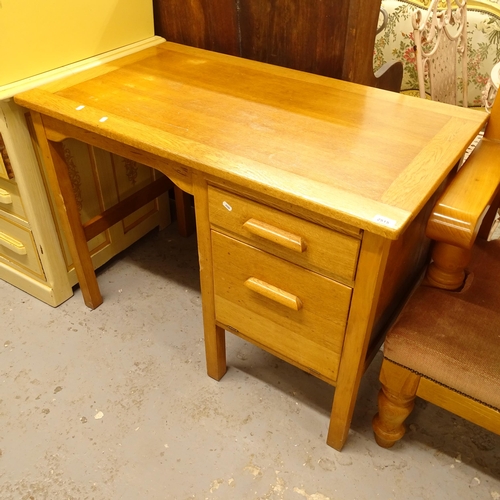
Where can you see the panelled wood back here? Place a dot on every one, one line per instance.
(309, 36)
(328, 37)
(207, 24)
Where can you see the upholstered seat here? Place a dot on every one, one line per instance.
(454, 337)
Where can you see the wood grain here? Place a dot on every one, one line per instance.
(310, 336)
(320, 242)
(458, 214)
(371, 271)
(301, 138)
(332, 38)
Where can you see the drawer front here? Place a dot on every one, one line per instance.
(307, 244)
(10, 200)
(18, 249)
(290, 311)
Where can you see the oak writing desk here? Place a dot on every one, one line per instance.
(311, 194)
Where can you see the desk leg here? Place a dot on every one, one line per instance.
(185, 219)
(60, 183)
(215, 340)
(370, 273)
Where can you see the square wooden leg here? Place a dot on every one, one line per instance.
(185, 217)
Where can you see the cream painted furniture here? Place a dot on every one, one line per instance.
(34, 255)
(33, 252)
(41, 42)
(311, 194)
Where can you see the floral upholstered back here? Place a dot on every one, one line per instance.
(396, 42)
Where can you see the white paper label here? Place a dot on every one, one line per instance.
(385, 221)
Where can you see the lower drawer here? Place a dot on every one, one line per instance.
(290, 311)
(18, 248)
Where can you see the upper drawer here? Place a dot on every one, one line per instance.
(10, 200)
(307, 244)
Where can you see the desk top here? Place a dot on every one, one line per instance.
(364, 156)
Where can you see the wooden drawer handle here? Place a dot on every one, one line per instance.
(12, 244)
(276, 235)
(271, 292)
(5, 197)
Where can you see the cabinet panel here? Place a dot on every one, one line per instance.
(10, 199)
(124, 178)
(334, 38)
(17, 247)
(100, 180)
(309, 36)
(6, 171)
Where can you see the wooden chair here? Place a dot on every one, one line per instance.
(445, 345)
(440, 37)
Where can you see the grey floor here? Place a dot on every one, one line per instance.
(115, 404)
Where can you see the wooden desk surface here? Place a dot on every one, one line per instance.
(342, 150)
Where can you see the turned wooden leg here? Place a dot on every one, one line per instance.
(447, 270)
(392, 412)
(396, 400)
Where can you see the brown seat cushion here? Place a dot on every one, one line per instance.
(454, 337)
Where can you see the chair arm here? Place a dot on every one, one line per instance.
(457, 216)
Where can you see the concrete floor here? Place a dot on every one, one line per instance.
(115, 404)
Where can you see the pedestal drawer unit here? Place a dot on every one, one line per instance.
(282, 282)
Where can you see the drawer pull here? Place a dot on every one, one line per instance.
(271, 292)
(276, 235)
(5, 197)
(12, 244)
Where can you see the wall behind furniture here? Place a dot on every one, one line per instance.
(40, 36)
